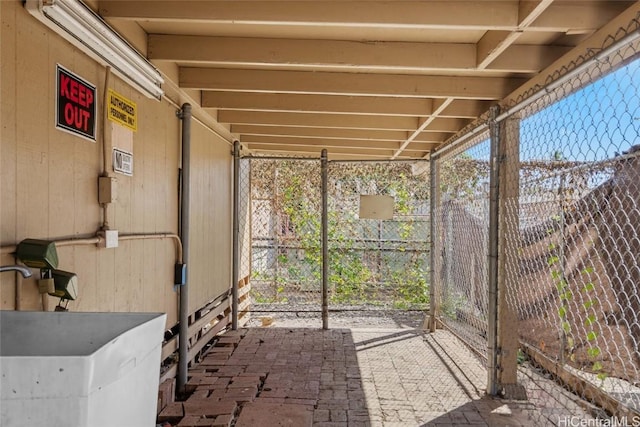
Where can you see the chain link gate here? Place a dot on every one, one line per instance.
(378, 262)
(461, 241)
(285, 235)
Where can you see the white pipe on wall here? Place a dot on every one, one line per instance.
(9, 249)
(106, 143)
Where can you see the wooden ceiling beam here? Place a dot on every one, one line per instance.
(286, 149)
(351, 121)
(428, 124)
(325, 103)
(322, 133)
(336, 121)
(529, 11)
(494, 43)
(312, 54)
(532, 58)
(335, 153)
(487, 88)
(466, 108)
(259, 150)
(385, 106)
(389, 57)
(399, 14)
(431, 137)
(500, 15)
(318, 142)
(443, 124)
(578, 17)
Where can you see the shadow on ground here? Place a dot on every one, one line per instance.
(275, 377)
(352, 377)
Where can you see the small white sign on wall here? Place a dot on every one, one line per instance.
(376, 207)
(122, 162)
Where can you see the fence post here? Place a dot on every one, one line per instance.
(434, 199)
(508, 247)
(325, 241)
(236, 232)
(492, 281)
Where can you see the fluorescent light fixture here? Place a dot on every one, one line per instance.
(86, 30)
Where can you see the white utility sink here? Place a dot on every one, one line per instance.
(71, 369)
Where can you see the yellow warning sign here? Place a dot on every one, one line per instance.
(122, 110)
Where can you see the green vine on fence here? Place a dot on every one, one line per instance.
(352, 278)
(586, 310)
(591, 322)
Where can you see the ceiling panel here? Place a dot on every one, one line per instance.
(365, 79)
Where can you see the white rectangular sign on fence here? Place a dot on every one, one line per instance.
(376, 207)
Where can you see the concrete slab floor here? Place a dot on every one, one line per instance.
(282, 376)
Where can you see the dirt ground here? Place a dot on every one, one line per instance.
(339, 317)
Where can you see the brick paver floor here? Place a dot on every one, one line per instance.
(299, 377)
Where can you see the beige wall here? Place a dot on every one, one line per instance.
(210, 235)
(48, 185)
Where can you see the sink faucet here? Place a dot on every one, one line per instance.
(23, 270)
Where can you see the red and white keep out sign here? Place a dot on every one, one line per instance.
(75, 104)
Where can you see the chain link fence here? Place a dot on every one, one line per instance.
(569, 221)
(285, 234)
(378, 234)
(577, 207)
(374, 263)
(461, 240)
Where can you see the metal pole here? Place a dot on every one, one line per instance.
(492, 321)
(433, 196)
(183, 338)
(276, 231)
(325, 242)
(309, 159)
(381, 161)
(236, 232)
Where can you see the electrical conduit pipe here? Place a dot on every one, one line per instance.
(6, 250)
(183, 337)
